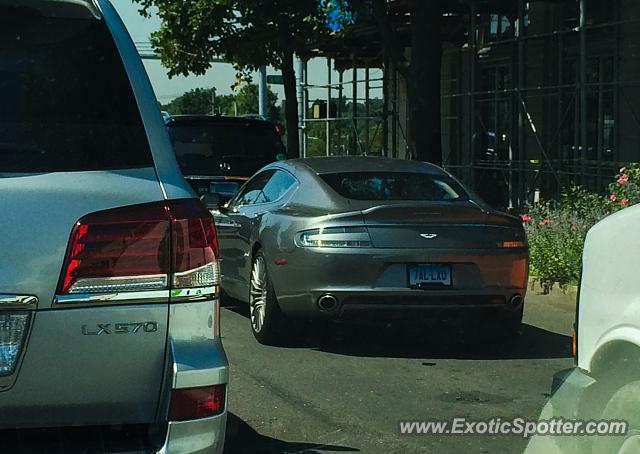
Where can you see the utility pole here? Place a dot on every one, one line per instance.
(301, 96)
(262, 92)
(213, 101)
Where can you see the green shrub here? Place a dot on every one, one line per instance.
(557, 230)
(625, 190)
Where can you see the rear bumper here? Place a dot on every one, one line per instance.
(196, 360)
(202, 436)
(377, 279)
(359, 301)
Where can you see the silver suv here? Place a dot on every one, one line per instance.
(109, 278)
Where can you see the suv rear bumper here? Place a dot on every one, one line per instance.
(201, 436)
(197, 359)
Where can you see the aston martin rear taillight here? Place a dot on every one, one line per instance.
(334, 237)
(154, 246)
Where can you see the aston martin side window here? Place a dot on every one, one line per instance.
(253, 189)
(276, 187)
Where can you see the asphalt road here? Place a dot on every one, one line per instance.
(345, 388)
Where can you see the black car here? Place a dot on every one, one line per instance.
(218, 154)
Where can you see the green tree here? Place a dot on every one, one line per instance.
(249, 33)
(245, 102)
(196, 102)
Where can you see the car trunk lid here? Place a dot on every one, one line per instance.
(446, 225)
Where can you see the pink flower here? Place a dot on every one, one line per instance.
(613, 197)
(525, 217)
(623, 179)
(624, 202)
(545, 222)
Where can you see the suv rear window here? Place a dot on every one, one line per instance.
(66, 102)
(395, 186)
(224, 147)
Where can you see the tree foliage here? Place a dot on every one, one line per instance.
(197, 101)
(245, 102)
(249, 33)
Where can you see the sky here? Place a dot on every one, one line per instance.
(221, 75)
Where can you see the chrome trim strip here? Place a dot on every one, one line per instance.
(18, 302)
(194, 294)
(151, 296)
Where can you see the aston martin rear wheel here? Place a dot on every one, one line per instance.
(267, 322)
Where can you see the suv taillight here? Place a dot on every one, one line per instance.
(153, 246)
(196, 403)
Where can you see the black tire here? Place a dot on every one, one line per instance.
(268, 328)
(623, 405)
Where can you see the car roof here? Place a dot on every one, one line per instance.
(335, 164)
(217, 119)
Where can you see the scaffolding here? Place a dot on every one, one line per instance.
(343, 116)
(540, 96)
(536, 95)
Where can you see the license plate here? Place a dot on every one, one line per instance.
(429, 275)
(226, 189)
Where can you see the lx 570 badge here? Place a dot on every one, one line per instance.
(119, 328)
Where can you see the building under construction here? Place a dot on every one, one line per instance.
(536, 95)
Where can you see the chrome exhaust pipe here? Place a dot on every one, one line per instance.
(327, 303)
(516, 300)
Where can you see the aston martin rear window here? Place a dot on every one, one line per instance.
(394, 186)
(66, 102)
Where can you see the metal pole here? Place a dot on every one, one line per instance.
(328, 112)
(339, 112)
(385, 102)
(367, 145)
(583, 92)
(305, 107)
(394, 113)
(213, 101)
(472, 102)
(354, 112)
(262, 92)
(300, 75)
(521, 153)
(560, 106)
